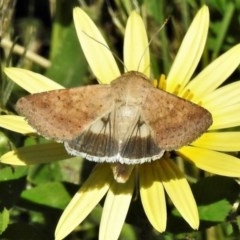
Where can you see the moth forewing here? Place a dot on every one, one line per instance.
(63, 114)
(176, 122)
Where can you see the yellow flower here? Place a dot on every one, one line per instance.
(208, 152)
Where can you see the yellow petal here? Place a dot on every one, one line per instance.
(95, 48)
(16, 124)
(222, 97)
(214, 74)
(115, 209)
(189, 52)
(219, 141)
(212, 161)
(40, 153)
(136, 49)
(152, 195)
(83, 202)
(226, 117)
(31, 81)
(179, 191)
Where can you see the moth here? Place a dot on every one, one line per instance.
(124, 123)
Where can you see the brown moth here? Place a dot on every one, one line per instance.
(125, 123)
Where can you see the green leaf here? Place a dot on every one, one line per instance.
(4, 143)
(215, 212)
(4, 220)
(42, 173)
(12, 173)
(69, 65)
(52, 194)
(215, 189)
(215, 197)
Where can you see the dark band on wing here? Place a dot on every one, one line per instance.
(140, 144)
(97, 140)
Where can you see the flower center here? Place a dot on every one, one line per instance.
(178, 91)
(161, 83)
(187, 94)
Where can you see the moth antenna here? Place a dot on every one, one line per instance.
(114, 54)
(151, 39)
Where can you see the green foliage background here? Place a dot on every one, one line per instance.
(33, 198)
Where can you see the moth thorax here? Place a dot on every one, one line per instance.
(127, 116)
